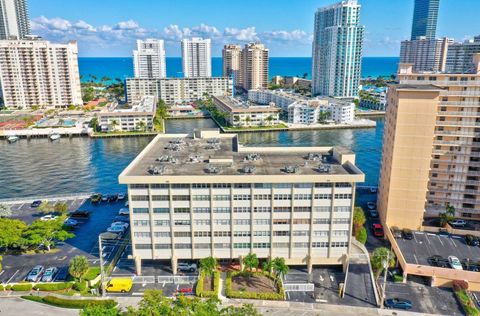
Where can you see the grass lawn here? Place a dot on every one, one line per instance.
(92, 273)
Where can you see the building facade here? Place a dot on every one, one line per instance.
(254, 66)
(425, 54)
(337, 50)
(137, 117)
(14, 22)
(35, 72)
(431, 152)
(245, 113)
(178, 91)
(425, 15)
(460, 56)
(196, 57)
(149, 59)
(232, 63)
(228, 200)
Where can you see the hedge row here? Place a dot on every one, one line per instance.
(65, 303)
(53, 286)
(200, 285)
(229, 292)
(467, 304)
(21, 287)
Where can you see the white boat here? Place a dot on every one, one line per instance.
(12, 139)
(54, 136)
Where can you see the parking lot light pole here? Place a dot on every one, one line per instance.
(102, 272)
(384, 288)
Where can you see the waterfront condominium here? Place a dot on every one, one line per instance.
(14, 23)
(196, 57)
(149, 59)
(460, 56)
(231, 57)
(431, 147)
(177, 91)
(425, 15)
(337, 50)
(425, 54)
(35, 72)
(254, 66)
(200, 195)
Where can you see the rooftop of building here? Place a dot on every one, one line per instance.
(297, 97)
(417, 87)
(238, 106)
(208, 153)
(145, 105)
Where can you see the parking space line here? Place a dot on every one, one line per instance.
(12, 276)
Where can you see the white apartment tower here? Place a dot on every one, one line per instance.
(196, 57)
(37, 72)
(149, 59)
(425, 54)
(14, 23)
(232, 56)
(254, 66)
(337, 50)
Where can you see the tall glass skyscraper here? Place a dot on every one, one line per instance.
(14, 21)
(425, 17)
(337, 50)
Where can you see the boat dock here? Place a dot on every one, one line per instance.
(46, 132)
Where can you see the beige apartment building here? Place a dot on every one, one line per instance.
(431, 151)
(35, 72)
(232, 62)
(204, 194)
(254, 66)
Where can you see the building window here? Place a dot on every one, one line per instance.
(282, 197)
(262, 197)
(162, 223)
(323, 196)
(221, 197)
(281, 233)
(182, 234)
(183, 246)
(201, 222)
(323, 185)
(262, 209)
(222, 222)
(202, 234)
(320, 233)
(200, 186)
(242, 222)
(221, 245)
(241, 209)
(180, 186)
(303, 185)
(241, 234)
(321, 221)
(181, 222)
(302, 196)
(201, 210)
(161, 234)
(242, 197)
(241, 245)
(261, 233)
(280, 245)
(181, 198)
(161, 210)
(138, 186)
(300, 233)
(343, 185)
(261, 245)
(222, 234)
(261, 222)
(160, 197)
(321, 244)
(282, 185)
(300, 245)
(141, 234)
(163, 246)
(221, 185)
(141, 223)
(181, 210)
(281, 221)
(242, 185)
(322, 208)
(203, 246)
(301, 221)
(139, 197)
(345, 209)
(140, 210)
(340, 233)
(339, 244)
(201, 197)
(343, 196)
(341, 221)
(221, 210)
(282, 209)
(143, 246)
(302, 209)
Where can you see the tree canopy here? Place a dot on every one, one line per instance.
(11, 233)
(78, 267)
(378, 258)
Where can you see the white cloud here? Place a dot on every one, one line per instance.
(82, 25)
(248, 34)
(126, 25)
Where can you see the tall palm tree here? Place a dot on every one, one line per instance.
(250, 261)
(114, 124)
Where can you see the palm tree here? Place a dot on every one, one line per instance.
(248, 119)
(208, 265)
(250, 261)
(113, 123)
(279, 266)
(267, 266)
(269, 119)
(323, 116)
(448, 215)
(142, 126)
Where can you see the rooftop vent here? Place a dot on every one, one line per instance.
(178, 141)
(174, 147)
(167, 158)
(156, 170)
(213, 141)
(213, 169)
(248, 169)
(290, 169)
(314, 157)
(252, 157)
(324, 168)
(195, 159)
(213, 147)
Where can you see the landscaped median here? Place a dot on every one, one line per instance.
(205, 287)
(460, 289)
(253, 285)
(69, 303)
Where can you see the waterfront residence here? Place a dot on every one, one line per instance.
(14, 22)
(246, 113)
(149, 59)
(196, 57)
(137, 116)
(373, 98)
(204, 194)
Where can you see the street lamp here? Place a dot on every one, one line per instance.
(102, 272)
(385, 264)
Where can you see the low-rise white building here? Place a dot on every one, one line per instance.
(246, 113)
(137, 117)
(304, 110)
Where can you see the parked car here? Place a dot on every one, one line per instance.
(48, 217)
(396, 232)
(458, 223)
(187, 267)
(49, 274)
(116, 229)
(70, 222)
(62, 274)
(472, 240)
(122, 285)
(120, 196)
(104, 198)
(373, 190)
(111, 236)
(122, 218)
(377, 230)
(123, 224)
(398, 303)
(443, 232)
(35, 274)
(112, 197)
(371, 205)
(36, 203)
(407, 234)
(373, 213)
(80, 214)
(470, 265)
(454, 263)
(124, 211)
(95, 198)
(126, 204)
(438, 261)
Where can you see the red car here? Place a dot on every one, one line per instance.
(377, 230)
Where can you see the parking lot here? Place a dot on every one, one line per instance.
(85, 242)
(425, 245)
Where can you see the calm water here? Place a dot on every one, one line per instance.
(286, 66)
(41, 167)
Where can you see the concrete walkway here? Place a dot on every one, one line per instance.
(221, 291)
(19, 306)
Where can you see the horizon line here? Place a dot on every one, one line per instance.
(221, 57)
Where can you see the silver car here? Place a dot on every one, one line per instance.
(35, 274)
(49, 274)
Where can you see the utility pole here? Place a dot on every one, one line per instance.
(102, 272)
(384, 288)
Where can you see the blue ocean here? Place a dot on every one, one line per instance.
(122, 67)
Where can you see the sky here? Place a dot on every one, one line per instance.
(111, 27)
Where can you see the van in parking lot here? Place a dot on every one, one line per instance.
(122, 285)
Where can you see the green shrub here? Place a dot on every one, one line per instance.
(80, 286)
(8, 287)
(361, 235)
(92, 273)
(200, 284)
(229, 292)
(65, 303)
(467, 304)
(397, 278)
(53, 286)
(22, 287)
(1, 287)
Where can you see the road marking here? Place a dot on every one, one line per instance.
(12, 276)
(137, 294)
(415, 257)
(441, 240)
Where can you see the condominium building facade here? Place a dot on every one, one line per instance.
(178, 91)
(136, 117)
(149, 59)
(337, 50)
(232, 62)
(431, 151)
(425, 54)
(196, 57)
(254, 66)
(460, 56)
(35, 72)
(228, 200)
(14, 22)
(425, 16)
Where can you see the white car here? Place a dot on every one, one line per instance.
(70, 222)
(124, 211)
(126, 204)
(371, 205)
(187, 267)
(116, 229)
(123, 224)
(48, 217)
(454, 263)
(120, 196)
(458, 223)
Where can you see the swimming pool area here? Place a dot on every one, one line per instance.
(47, 122)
